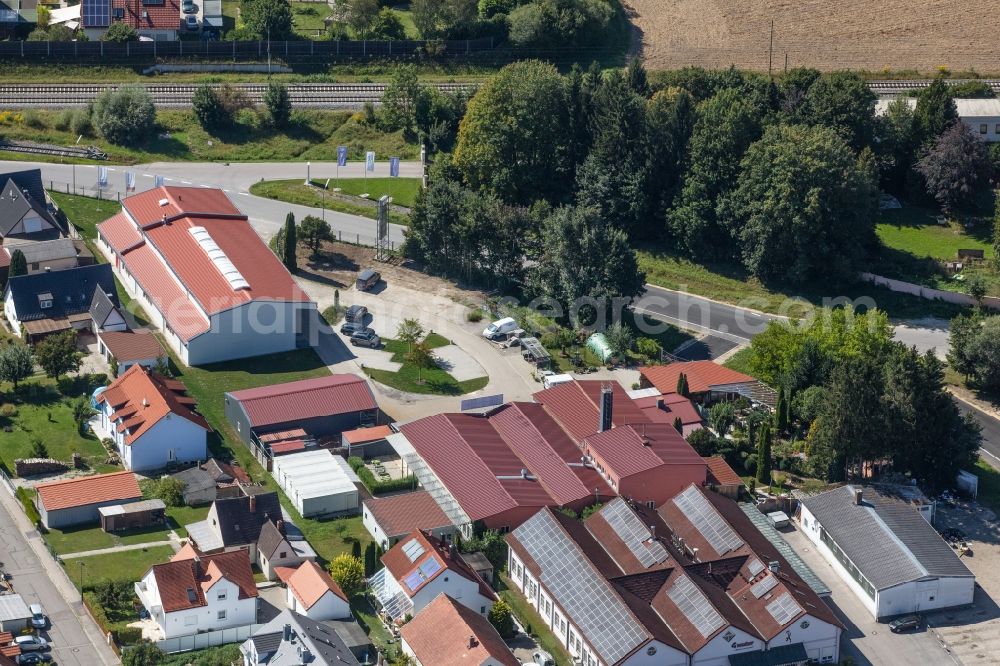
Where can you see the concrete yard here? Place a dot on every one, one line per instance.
(458, 363)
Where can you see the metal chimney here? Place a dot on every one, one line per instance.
(607, 408)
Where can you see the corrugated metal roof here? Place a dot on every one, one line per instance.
(575, 406)
(764, 526)
(306, 398)
(887, 540)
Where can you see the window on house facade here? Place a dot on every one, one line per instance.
(283, 554)
(221, 596)
(221, 615)
(982, 128)
(650, 504)
(482, 610)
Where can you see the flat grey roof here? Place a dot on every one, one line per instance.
(12, 607)
(886, 538)
(765, 527)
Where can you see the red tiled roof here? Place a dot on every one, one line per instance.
(132, 345)
(85, 490)
(119, 232)
(666, 408)
(4, 257)
(401, 514)
(400, 565)
(290, 446)
(440, 635)
(309, 583)
(151, 17)
(306, 398)
(283, 435)
(9, 652)
(142, 398)
(575, 406)
(363, 435)
(198, 574)
(700, 376)
(160, 287)
(628, 450)
(721, 472)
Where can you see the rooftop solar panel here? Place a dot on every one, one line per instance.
(588, 599)
(764, 586)
(413, 549)
(755, 566)
(695, 607)
(707, 521)
(96, 13)
(636, 536)
(784, 609)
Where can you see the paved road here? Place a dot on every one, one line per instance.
(36, 576)
(266, 215)
(991, 432)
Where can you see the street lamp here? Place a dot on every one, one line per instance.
(308, 179)
(82, 565)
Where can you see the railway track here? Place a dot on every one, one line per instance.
(302, 95)
(907, 86)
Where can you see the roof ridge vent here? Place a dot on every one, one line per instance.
(219, 258)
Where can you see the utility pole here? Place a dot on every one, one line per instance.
(770, 50)
(82, 565)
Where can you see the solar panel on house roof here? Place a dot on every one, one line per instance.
(96, 13)
(423, 573)
(784, 609)
(636, 536)
(755, 566)
(764, 586)
(695, 607)
(707, 521)
(413, 549)
(601, 616)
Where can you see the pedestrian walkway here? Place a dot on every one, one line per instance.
(119, 549)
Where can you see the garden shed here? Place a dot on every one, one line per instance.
(133, 516)
(318, 482)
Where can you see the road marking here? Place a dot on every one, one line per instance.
(246, 194)
(148, 175)
(186, 182)
(997, 458)
(695, 327)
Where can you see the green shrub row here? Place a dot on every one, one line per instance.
(376, 486)
(24, 495)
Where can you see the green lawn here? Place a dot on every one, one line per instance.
(85, 213)
(93, 538)
(307, 18)
(296, 192)
(529, 617)
(402, 190)
(123, 565)
(311, 135)
(179, 516)
(78, 540)
(740, 361)
(989, 484)
(412, 379)
(916, 231)
(730, 284)
(46, 414)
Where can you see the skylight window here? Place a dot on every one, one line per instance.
(219, 258)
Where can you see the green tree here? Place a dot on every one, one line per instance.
(583, 257)
(763, 474)
(16, 363)
(409, 332)
(18, 264)
(678, 425)
(635, 74)
(313, 232)
(44, 15)
(722, 417)
(806, 405)
(361, 15)
(781, 412)
(548, 23)
(956, 168)
(935, 112)
(170, 490)
(278, 103)
(370, 559)
(437, 19)
(57, 354)
(843, 102)
(896, 143)
(996, 236)
(267, 19)
(208, 109)
(400, 99)
(512, 141)
(289, 239)
(703, 442)
(38, 449)
(356, 549)
(670, 118)
(977, 347)
(682, 384)
(649, 348)
(620, 339)
(492, 544)
(387, 25)
(349, 573)
(120, 32)
(804, 206)
(143, 654)
(502, 618)
(125, 116)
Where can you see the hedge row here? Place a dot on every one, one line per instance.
(376, 486)
(29, 506)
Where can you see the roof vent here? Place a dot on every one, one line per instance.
(773, 565)
(524, 473)
(164, 202)
(145, 403)
(219, 258)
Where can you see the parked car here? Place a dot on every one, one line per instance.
(367, 279)
(189, 7)
(354, 319)
(191, 22)
(500, 327)
(905, 623)
(32, 643)
(38, 619)
(542, 658)
(34, 658)
(366, 337)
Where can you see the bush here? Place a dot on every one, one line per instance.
(649, 348)
(24, 495)
(8, 410)
(207, 108)
(128, 635)
(376, 486)
(33, 119)
(474, 315)
(125, 116)
(81, 123)
(278, 104)
(64, 120)
(120, 33)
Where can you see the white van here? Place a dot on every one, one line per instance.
(550, 380)
(500, 327)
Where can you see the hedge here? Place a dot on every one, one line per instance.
(29, 506)
(375, 486)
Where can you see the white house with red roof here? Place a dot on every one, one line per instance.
(418, 569)
(158, 20)
(204, 276)
(447, 633)
(77, 501)
(313, 593)
(152, 420)
(193, 593)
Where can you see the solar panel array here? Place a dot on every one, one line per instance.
(423, 573)
(707, 521)
(413, 549)
(96, 13)
(784, 609)
(695, 607)
(591, 603)
(755, 566)
(636, 536)
(764, 586)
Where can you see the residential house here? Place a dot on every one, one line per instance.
(890, 556)
(277, 550)
(691, 582)
(418, 569)
(128, 348)
(981, 115)
(669, 409)
(312, 593)
(235, 523)
(106, 317)
(389, 519)
(158, 20)
(318, 482)
(40, 304)
(152, 420)
(77, 501)
(48, 255)
(26, 214)
(291, 639)
(707, 380)
(193, 593)
(447, 633)
(283, 418)
(199, 486)
(204, 276)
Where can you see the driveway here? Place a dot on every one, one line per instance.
(867, 641)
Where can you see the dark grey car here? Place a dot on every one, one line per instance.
(366, 337)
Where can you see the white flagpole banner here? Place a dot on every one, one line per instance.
(157, 181)
(370, 161)
(129, 181)
(102, 176)
(394, 167)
